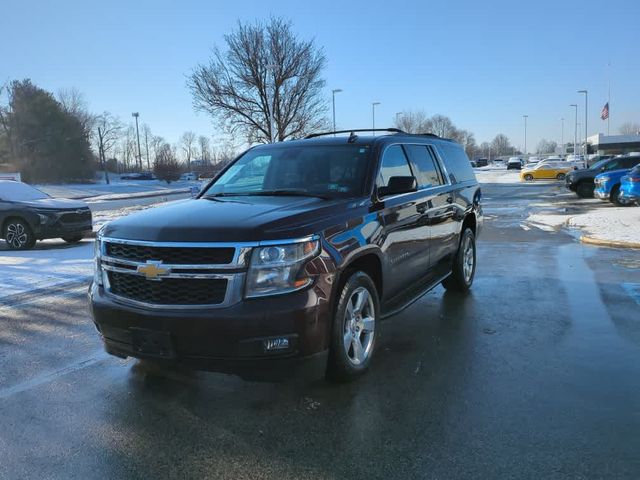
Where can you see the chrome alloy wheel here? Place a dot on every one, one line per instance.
(359, 326)
(468, 259)
(16, 235)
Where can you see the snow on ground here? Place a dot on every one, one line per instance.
(620, 224)
(115, 189)
(493, 174)
(50, 263)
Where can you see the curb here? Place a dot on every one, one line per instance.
(608, 243)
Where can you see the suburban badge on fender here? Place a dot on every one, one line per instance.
(153, 270)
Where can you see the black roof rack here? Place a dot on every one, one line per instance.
(393, 130)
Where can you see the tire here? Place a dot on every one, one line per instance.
(74, 239)
(528, 177)
(353, 335)
(464, 264)
(614, 196)
(18, 235)
(560, 176)
(584, 190)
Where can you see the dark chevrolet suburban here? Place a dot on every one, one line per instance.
(291, 256)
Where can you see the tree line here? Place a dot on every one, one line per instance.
(55, 138)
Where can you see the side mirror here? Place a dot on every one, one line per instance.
(399, 185)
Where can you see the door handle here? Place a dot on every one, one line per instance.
(449, 199)
(421, 208)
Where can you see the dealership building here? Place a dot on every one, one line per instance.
(613, 144)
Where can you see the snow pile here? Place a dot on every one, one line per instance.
(116, 189)
(610, 224)
(547, 221)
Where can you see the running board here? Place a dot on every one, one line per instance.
(412, 297)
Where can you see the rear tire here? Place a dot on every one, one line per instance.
(584, 190)
(560, 176)
(464, 264)
(528, 177)
(18, 235)
(353, 334)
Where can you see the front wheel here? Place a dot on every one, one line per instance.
(614, 197)
(528, 177)
(353, 334)
(560, 176)
(584, 190)
(18, 235)
(464, 264)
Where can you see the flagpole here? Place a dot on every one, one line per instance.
(609, 100)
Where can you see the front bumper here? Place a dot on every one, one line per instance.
(229, 339)
(59, 230)
(601, 194)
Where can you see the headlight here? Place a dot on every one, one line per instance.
(277, 269)
(97, 271)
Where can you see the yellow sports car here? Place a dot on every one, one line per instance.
(546, 171)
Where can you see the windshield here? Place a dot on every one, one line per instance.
(599, 164)
(19, 192)
(315, 170)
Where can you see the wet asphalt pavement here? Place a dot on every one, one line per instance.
(535, 374)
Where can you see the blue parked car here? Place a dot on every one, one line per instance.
(630, 186)
(608, 186)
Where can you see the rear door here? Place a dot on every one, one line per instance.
(406, 234)
(439, 198)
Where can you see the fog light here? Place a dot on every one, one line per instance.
(272, 344)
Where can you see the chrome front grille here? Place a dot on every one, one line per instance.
(173, 275)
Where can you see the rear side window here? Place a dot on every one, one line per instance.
(394, 164)
(456, 162)
(424, 165)
(631, 162)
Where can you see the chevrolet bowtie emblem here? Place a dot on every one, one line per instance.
(153, 270)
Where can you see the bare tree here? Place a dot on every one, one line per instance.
(546, 146)
(107, 131)
(74, 103)
(188, 144)
(166, 165)
(442, 126)
(630, 128)
(266, 71)
(146, 135)
(501, 145)
(413, 122)
(205, 148)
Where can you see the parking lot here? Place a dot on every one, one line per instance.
(534, 374)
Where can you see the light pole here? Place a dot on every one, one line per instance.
(333, 94)
(575, 134)
(586, 95)
(562, 135)
(136, 115)
(525, 133)
(373, 116)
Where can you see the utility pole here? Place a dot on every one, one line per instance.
(373, 116)
(586, 150)
(562, 135)
(333, 94)
(146, 146)
(575, 132)
(136, 115)
(103, 160)
(525, 133)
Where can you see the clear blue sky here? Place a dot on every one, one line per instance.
(482, 63)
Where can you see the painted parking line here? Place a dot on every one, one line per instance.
(633, 290)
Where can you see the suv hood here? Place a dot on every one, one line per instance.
(55, 204)
(231, 219)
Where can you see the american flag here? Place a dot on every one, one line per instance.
(604, 114)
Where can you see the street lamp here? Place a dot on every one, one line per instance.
(373, 116)
(333, 94)
(585, 122)
(562, 135)
(575, 134)
(136, 115)
(525, 133)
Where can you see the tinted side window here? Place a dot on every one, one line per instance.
(631, 162)
(456, 162)
(427, 172)
(394, 164)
